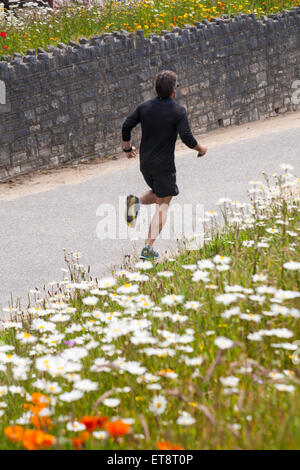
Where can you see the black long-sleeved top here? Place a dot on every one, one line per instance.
(161, 121)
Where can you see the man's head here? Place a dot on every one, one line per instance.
(166, 83)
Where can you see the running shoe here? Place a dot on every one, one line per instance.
(148, 253)
(132, 210)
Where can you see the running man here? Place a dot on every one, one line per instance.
(161, 119)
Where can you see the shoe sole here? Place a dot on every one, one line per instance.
(149, 258)
(131, 203)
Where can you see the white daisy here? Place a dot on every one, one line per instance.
(172, 299)
(26, 338)
(190, 267)
(100, 435)
(185, 419)
(158, 405)
(92, 300)
(229, 381)
(3, 390)
(128, 289)
(292, 266)
(193, 304)
(86, 385)
(251, 317)
(165, 274)
(154, 387)
(276, 375)
(227, 299)
(193, 361)
(144, 265)
(111, 402)
(221, 259)
(222, 267)
(200, 276)
(75, 426)
(223, 343)
(71, 396)
(106, 282)
(259, 277)
(284, 387)
(205, 264)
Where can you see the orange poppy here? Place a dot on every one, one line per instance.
(40, 402)
(33, 440)
(40, 399)
(80, 440)
(40, 422)
(117, 428)
(164, 445)
(14, 433)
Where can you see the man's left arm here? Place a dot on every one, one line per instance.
(132, 120)
(183, 127)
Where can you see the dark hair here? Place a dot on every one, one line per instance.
(165, 83)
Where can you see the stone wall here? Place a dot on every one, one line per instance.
(69, 102)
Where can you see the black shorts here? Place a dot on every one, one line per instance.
(162, 185)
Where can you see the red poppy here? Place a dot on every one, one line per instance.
(101, 420)
(3, 34)
(93, 422)
(90, 422)
(4, 47)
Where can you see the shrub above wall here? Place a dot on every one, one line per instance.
(69, 102)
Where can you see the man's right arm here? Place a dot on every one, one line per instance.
(183, 128)
(132, 120)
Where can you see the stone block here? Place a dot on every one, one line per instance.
(89, 107)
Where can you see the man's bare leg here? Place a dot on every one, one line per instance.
(148, 198)
(159, 218)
